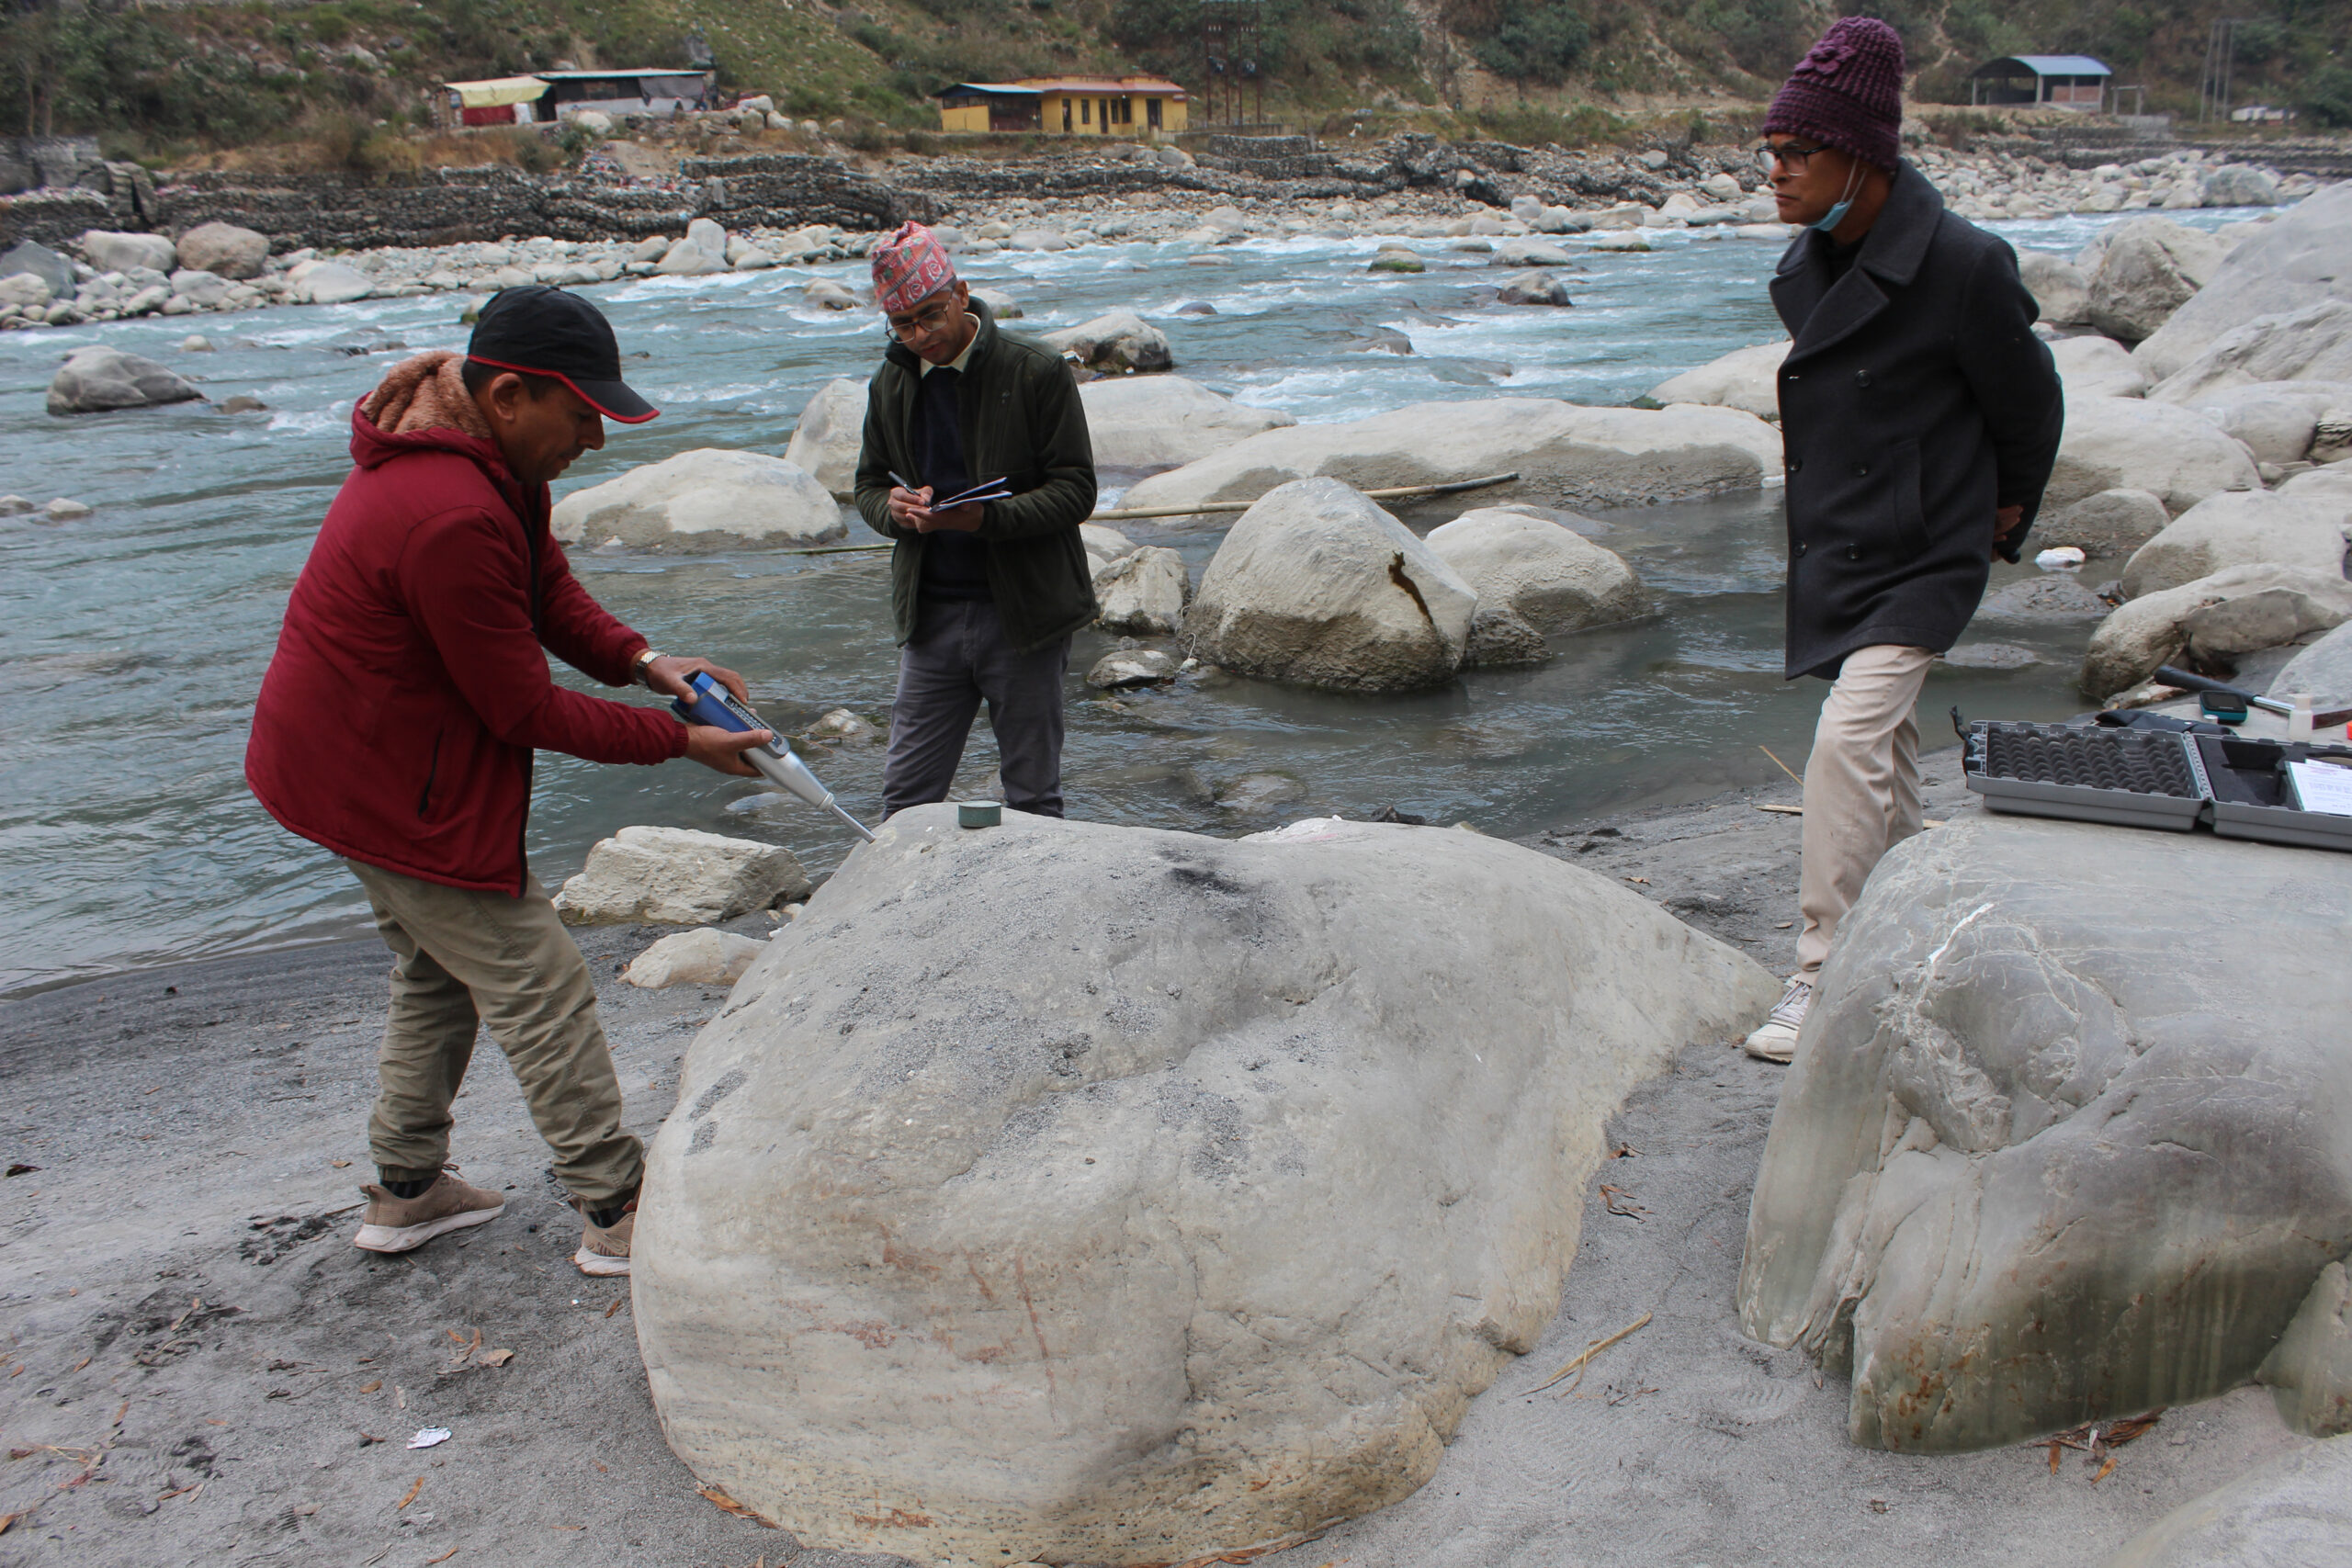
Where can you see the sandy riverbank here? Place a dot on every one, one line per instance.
(188, 1327)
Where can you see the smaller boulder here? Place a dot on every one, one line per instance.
(2238, 185)
(687, 259)
(831, 434)
(25, 290)
(1552, 578)
(2279, 421)
(111, 251)
(1103, 545)
(2240, 528)
(1036, 239)
(1534, 288)
(2112, 443)
(1396, 261)
(65, 508)
(2147, 269)
(1126, 667)
(1747, 379)
(224, 249)
(707, 499)
(839, 724)
(1118, 341)
(2058, 286)
(1530, 254)
(703, 957)
(2111, 524)
(2152, 630)
(331, 283)
(26, 255)
(2292, 1512)
(1144, 593)
(2324, 670)
(1002, 306)
(2055, 596)
(2092, 367)
(679, 876)
(824, 294)
(2309, 343)
(206, 291)
(96, 381)
(1501, 637)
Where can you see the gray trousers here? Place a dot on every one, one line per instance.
(957, 659)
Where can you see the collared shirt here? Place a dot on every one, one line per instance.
(957, 364)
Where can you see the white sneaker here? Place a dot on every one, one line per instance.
(1777, 1040)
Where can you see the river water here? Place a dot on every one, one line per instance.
(134, 640)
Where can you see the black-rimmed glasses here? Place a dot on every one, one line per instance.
(1789, 155)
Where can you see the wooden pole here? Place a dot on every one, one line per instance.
(1405, 493)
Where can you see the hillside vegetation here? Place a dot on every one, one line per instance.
(165, 82)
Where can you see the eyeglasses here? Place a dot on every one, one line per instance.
(1789, 155)
(922, 323)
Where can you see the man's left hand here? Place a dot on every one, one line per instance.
(962, 519)
(668, 676)
(2004, 523)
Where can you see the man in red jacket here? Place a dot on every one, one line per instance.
(396, 727)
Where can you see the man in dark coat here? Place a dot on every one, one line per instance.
(1921, 419)
(986, 594)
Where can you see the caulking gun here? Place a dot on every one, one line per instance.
(715, 705)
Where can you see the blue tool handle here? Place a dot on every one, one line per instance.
(715, 705)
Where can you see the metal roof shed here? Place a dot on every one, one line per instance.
(2062, 81)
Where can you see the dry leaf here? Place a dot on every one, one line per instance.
(718, 1499)
(340, 1164)
(410, 1497)
(567, 1527)
(1643, 880)
(80, 1364)
(2104, 1471)
(443, 1558)
(1608, 1197)
(455, 1337)
(367, 1437)
(2055, 1447)
(8, 1521)
(211, 1421)
(371, 1387)
(495, 1357)
(194, 1307)
(618, 1301)
(399, 1396)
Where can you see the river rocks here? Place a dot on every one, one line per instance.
(25, 290)
(2051, 597)
(1535, 254)
(2058, 286)
(2147, 269)
(328, 283)
(707, 499)
(2019, 1114)
(1396, 261)
(831, 434)
(1036, 239)
(703, 250)
(2296, 261)
(978, 1346)
(224, 250)
(2155, 628)
(110, 252)
(2115, 443)
(2092, 367)
(1124, 668)
(681, 878)
(1102, 545)
(2313, 344)
(1163, 421)
(1002, 306)
(2310, 1373)
(1553, 577)
(42, 262)
(94, 380)
(2239, 185)
(1746, 378)
(2244, 528)
(2324, 670)
(824, 294)
(2111, 524)
(2276, 420)
(703, 957)
(1143, 592)
(1318, 586)
(2294, 1512)
(1118, 341)
(1532, 287)
(204, 290)
(1566, 455)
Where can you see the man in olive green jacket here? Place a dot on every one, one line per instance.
(984, 596)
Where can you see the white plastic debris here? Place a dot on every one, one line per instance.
(429, 1436)
(2062, 557)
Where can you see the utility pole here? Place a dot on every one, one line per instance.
(2220, 53)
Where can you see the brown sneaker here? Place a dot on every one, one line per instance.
(398, 1224)
(604, 1250)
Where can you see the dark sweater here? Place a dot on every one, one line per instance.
(956, 564)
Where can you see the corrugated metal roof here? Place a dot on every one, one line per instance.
(2049, 65)
(646, 71)
(1012, 88)
(1149, 87)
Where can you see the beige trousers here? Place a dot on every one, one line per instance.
(1862, 787)
(465, 959)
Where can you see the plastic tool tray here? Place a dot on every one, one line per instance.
(2148, 779)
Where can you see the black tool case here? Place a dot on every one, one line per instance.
(2141, 778)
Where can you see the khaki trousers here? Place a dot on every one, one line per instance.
(465, 959)
(1862, 787)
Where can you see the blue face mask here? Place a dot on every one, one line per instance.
(1836, 214)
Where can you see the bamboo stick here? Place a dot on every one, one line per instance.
(1403, 493)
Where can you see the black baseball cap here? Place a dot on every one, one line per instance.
(542, 331)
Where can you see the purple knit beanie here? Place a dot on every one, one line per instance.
(1846, 92)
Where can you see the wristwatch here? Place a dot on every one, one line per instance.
(644, 659)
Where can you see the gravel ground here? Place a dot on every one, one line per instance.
(199, 1369)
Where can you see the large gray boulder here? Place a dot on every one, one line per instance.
(1565, 455)
(2294, 1512)
(2296, 261)
(1746, 378)
(1160, 421)
(1318, 586)
(2114, 442)
(2059, 288)
(2095, 366)
(96, 381)
(2110, 525)
(2276, 420)
(2064, 1137)
(225, 250)
(707, 499)
(2324, 670)
(327, 283)
(1551, 577)
(26, 255)
(831, 432)
(1144, 592)
(1199, 1225)
(2239, 528)
(2147, 269)
(1118, 341)
(111, 251)
(2238, 610)
(2239, 185)
(679, 876)
(2313, 344)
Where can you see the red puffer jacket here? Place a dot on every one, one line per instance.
(396, 721)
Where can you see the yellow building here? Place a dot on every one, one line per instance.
(1071, 106)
